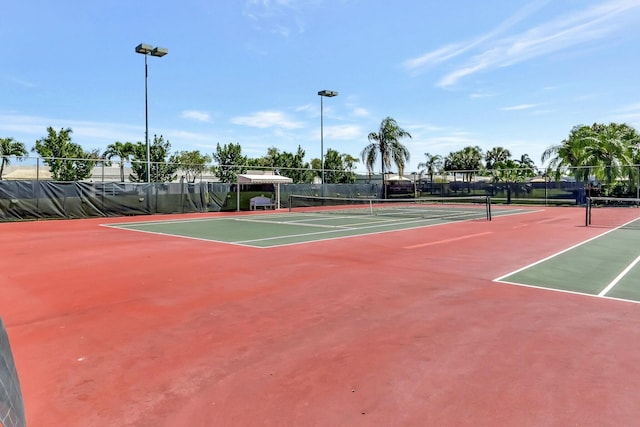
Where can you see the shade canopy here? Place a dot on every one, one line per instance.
(395, 177)
(263, 179)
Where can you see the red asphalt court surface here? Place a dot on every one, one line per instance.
(116, 328)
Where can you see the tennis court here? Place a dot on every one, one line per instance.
(316, 318)
(605, 266)
(322, 219)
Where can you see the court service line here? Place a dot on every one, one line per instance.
(619, 277)
(497, 212)
(257, 221)
(455, 239)
(337, 230)
(566, 291)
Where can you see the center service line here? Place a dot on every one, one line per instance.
(619, 277)
(455, 239)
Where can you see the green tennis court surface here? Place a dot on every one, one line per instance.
(267, 230)
(606, 266)
(277, 229)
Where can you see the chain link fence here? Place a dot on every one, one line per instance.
(29, 191)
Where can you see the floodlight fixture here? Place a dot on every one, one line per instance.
(159, 51)
(328, 93)
(144, 49)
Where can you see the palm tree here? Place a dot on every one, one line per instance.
(9, 147)
(608, 153)
(122, 151)
(453, 163)
(527, 161)
(495, 155)
(569, 154)
(604, 152)
(471, 158)
(386, 142)
(511, 172)
(467, 161)
(431, 166)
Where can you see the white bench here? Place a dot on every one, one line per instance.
(261, 202)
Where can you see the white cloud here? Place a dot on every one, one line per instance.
(191, 137)
(519, 107)
(416, 65)
(360, 112)
(426, 127)
(307, 108)
(559, 34)
(24, 83)
(199, 116)
(28, 129)
(281, 17)
(629, 114)
(267, 119)
(347, 132)
(451, 51)
(453, 140)
(480, 94)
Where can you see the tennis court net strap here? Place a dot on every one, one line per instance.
(613, 212)
(450, 208)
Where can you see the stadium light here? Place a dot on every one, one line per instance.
(328, 94)
(145, 50)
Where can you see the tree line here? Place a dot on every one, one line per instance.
(606, 153)
(68, 161)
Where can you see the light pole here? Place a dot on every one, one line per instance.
(146, 49)
(328, 94)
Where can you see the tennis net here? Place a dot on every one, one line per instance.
(449, 208)
(613, 212)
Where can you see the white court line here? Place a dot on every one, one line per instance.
(324, 217)
(499, 279)
(509, 212)
(297, 223)
(308, 222)
(421, 224)
(619, 277)
(602, 294)
(565, 291)
(334, 230)
(202, 239)
(370, 221)
(378, 222)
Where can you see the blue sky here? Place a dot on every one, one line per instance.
(512, 73)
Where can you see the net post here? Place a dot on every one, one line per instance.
(587, 218)
(290, 203)
(488, 203)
